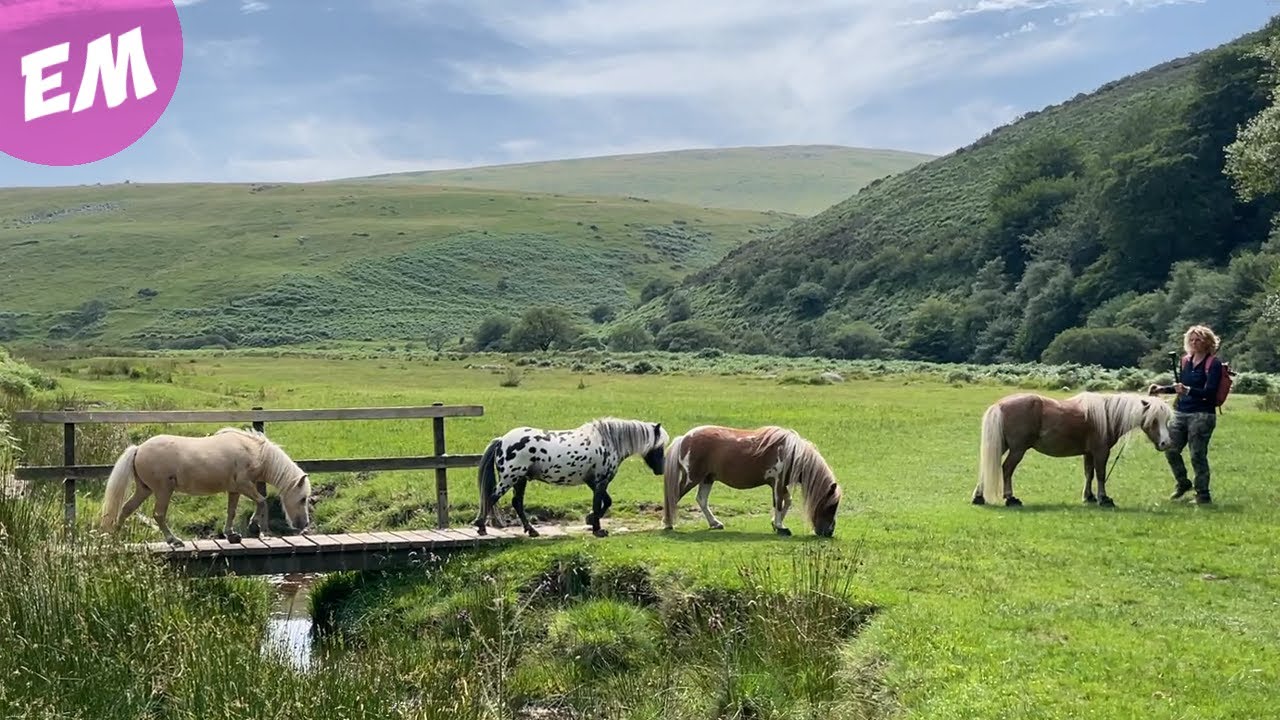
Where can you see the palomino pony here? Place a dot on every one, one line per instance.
(1088, 424)
(746, 459)
(231, 460)
(588, 454)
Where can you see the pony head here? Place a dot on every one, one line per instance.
(824, 515)
(655, 455)
(1156, 417)
(295, 499)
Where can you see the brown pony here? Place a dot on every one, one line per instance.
(231, 460)
(1088, 424)
(746, 459)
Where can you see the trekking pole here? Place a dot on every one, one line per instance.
(1173, 360)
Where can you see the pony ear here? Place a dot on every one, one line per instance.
(1146, 403)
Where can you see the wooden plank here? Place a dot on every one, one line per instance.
(300, 543)
(425, 462)
(247, 416)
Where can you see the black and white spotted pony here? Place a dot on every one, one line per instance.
(588, 454)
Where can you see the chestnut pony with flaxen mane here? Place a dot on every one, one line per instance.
(1088, 424)
(746, 459)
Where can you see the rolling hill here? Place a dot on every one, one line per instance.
(798, 179)
(263, 265)
(1107, 215)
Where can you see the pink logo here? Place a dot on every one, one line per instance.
(81, 80)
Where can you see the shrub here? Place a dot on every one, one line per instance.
(1109, 347)
(604, 635)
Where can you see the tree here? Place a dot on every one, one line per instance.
(678, 307)
(492, 334)
(601, 314)
(689, 335)
(807, 300)
(931, 331)
(630, 337)
(1254, 156)
(542, 328)
(1109, 347)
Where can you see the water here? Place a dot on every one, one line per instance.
(289, 625)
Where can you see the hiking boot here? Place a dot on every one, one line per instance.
(1203, 499)
(1180, 491)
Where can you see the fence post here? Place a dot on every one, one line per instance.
(69, 483)
(260, 426)
(442, 480)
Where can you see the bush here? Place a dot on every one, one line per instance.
(1109, 347)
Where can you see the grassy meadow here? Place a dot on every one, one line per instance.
(923, 605)
(799, 179)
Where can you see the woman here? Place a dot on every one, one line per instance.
(1194, 412)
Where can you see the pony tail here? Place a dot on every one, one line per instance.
(117, 483)
(671, 483)
(486, 481)
(990, 472)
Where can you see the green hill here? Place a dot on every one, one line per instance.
(1109, 212)
(799, 179)
(261, 265)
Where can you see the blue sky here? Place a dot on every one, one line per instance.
(296, 90)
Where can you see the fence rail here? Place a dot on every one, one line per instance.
(440, 460)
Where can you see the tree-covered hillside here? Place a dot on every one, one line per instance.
(1091, 231)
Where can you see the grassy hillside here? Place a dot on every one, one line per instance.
(800, 179)
(185, 265)
(1109, 210)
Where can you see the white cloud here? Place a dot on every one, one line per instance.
(252, 6)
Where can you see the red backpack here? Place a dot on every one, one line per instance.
(1224, 385)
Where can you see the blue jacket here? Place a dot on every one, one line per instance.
(1202, 386)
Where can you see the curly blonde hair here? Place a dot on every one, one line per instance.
(1205, 334)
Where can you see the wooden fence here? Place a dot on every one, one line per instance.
(439, 460)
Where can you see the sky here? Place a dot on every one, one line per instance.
(300, 90)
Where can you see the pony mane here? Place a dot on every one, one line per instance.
(1118, 414)
(627, 437)
(278, 468)
(803, 466)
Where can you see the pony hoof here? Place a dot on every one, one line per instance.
(175, 543)
(1106, 502)
(234, 538)
(785, 532)
(1012, 501)
(1090, 499)
(717, 526)
(601, 532)
(531, 532)
(979, 500)
(480, 530)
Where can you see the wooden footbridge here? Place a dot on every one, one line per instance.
(293, 552)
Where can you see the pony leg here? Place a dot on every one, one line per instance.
(228, 530)
(781, 503)
(1100, 467)
(517, 502)
(140, 494)
(1011, 464)
(160, 511)
(259, 518)
(1089, 497)
(600, 502)
(704, 492)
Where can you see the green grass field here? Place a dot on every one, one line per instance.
(1155, 609)
(266, 265)
(800, 179)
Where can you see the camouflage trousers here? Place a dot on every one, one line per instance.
(1191, 431)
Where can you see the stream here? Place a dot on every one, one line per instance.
(289, 625)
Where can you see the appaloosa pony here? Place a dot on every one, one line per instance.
(231, 460)
(745, 459)
(1088, 424)
(588, 454)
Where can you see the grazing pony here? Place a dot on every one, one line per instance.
(231, 460)
(588, 454)
(1088, 424)
(746, 459)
